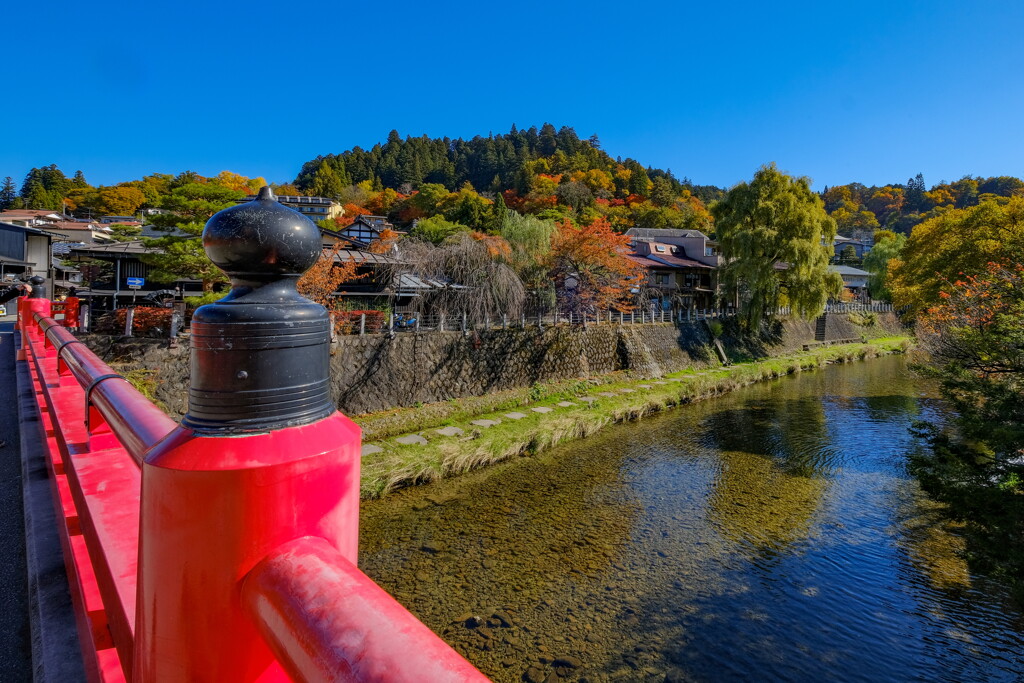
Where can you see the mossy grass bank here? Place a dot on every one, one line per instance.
(595, 404)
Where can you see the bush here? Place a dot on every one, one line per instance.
(206, 298)
(148, 322)
(347, 322)
(864, 319)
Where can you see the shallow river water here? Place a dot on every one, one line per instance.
(770, 534)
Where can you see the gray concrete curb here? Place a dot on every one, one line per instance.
(56, 650)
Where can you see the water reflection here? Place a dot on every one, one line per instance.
(770, 534)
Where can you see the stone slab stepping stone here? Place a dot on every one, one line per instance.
(605, 393)
(515, 416)
(588, 399)
(643, 386)
(411, 439)
(485, 423)
(627, 391)
(449, 431)
(370, 449)
(565, 404)
(542, 409)
(659, 382)
(676, 379)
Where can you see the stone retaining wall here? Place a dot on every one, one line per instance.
(377, 372)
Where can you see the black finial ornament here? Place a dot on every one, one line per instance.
(260, 355)
(38, 290)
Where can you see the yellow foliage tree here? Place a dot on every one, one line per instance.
(957, 243)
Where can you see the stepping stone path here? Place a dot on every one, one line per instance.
(370, 449)
(605, 393)
(659, 382)
(643, 386)
(515, 416)
(542, 409)
(449, 431)
(627, 391)
(411, 439)
(485, 423)
(588, 399)
(565, 404)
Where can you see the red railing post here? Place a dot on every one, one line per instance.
(72, 306)
(261, 459)
(28, 307)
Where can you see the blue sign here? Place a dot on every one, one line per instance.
(136, 282)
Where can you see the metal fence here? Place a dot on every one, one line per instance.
(397, 323)
(403, 322)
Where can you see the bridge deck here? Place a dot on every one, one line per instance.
(15, 649)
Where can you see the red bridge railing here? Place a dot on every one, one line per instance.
(223, 548)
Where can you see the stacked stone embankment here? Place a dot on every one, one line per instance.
(377, 372)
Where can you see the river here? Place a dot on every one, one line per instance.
(769, 534)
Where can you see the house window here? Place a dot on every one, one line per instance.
(709, 251)
(660, 249)
(660, 279)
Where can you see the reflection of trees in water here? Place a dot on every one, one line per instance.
(774, 460)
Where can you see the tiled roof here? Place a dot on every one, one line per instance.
(847, 270)
(666, 261)
(75, 225)
(655, 233)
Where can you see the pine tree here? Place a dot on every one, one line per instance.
(79, 180)
(326, 182)
(38, 197)
(8, 193)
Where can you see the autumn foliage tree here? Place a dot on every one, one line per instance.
(974, 338)
(321, 282)
(955, 243)
(590, 267)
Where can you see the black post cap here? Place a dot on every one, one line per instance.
(260, 355)
(38, 290)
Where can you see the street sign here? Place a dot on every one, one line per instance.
(136, 282)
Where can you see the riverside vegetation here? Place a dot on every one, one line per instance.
(578, 408)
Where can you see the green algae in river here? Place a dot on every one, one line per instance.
(770, 533)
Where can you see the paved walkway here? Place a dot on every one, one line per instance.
(15, 648)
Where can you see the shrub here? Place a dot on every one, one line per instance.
(347, 322)
(148, 322)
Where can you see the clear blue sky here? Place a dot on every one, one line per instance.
(870, 91)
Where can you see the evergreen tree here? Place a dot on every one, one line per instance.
(326, 182)
(79, 180)
(8, 193)
(36, 196)
(915, 200)
(548, 142)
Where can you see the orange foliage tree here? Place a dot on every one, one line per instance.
(385, 242)
(590, 267)
(321, 282)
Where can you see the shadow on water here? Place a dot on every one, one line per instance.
(768, 534)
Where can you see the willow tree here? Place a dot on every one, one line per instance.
(776, 239)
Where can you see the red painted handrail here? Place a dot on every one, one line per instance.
(131, 417)
(327, 621)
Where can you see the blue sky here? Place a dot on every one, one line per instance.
(871, 92)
